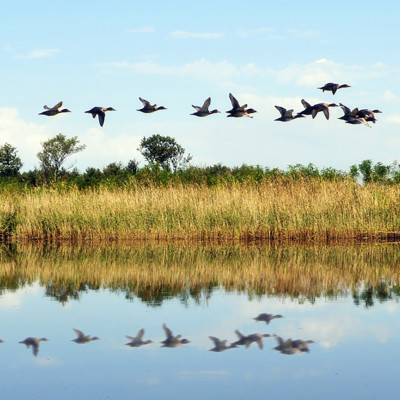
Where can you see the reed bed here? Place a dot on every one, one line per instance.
(309, 209)
(159, 271)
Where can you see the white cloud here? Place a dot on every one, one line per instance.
(300, 34)
(43, 53)
(196, 35)
(25, 136)
(389, 96)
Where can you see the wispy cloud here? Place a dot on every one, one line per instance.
(196, 35)
(200, 69)
(42, 53)
(142, 29)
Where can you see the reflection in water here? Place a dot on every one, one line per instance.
(267, 317)
(290, 346)
(249, 339)
(82, 338)
(156, 272)
(220, 345)
(34, 342)
(137, 341)
(171, 340)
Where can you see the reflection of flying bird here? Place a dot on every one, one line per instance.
(149, 108)
(237, 110)
(267, 317)
(34, 342)
(137, 341)
(82, 338)
(100, 112)
(50, 111)
(333, 87)
(203, 111)
(302, 345)
(171, 340)
(286, 115)
(249, 339)
(220, 345)
(286, 346)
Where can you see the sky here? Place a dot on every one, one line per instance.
(177, 54)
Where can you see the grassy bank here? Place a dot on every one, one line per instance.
(308, 209)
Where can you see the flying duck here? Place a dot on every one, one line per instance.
(368, 115)
(333, 87)
(149, 108)
(50, 111)
(100, 112)
(237, 110)
(286, 115)
(203, 111)
(249, 339)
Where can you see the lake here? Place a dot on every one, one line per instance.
(345, 298)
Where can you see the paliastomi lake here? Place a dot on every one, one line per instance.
(344, 298)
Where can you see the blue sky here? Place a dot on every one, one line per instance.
(179, 53)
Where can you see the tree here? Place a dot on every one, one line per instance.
(163, 150)
(10, 163)
(54, 153)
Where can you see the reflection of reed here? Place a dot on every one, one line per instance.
(158, 271)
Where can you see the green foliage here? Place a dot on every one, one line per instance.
(165, 151)
(54, 153)
(10, 163)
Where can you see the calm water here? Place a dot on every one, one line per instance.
(353, 319)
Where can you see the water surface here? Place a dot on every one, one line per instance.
(345, 298)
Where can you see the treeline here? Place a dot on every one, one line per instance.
(166, 164)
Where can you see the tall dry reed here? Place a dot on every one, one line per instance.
(281, 209)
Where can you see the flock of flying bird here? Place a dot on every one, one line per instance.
(354, 116)
(287, 346)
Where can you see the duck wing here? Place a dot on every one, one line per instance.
(168, 332)
(145, 102)
(305, 104)
(206, 104)
(235, 103)
(101, 114)
(57, 106)
(282, 110)
(80, 334)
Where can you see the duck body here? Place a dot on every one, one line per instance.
(51, 111)
(100, 112)
(203, 111)
(333, 87)
(149, 108)
(82, 338)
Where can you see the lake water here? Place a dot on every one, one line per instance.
(344, 298)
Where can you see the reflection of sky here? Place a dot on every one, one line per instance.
(355, 355)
